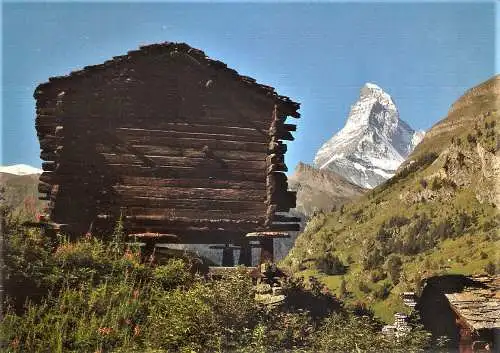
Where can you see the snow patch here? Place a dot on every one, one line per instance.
(20, 169)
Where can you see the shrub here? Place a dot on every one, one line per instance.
(490, 268)
(171, 275)
(330, 264)
(29, 269)
(471, 139)
(462, 223)
(342, 288)
(357, 215)
(372, 257)
(377, 275)
(397, 221)
(443, 230)
(394, 266)
(364, 287)
(436, 184)
(383, 291)
(105, 300)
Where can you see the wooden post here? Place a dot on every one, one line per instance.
(228, 257)
(245, 254)
(149, 250)
(267, 251)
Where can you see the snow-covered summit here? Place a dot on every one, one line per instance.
(20, 169)
(373, 142)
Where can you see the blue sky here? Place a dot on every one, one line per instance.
(319, 54)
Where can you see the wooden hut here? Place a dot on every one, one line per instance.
(465, 309)
(180, 145)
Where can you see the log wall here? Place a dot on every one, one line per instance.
(174, 141)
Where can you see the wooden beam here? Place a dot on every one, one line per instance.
(163, 161)
(280, 167)
(179, 224)
(196, 204)
(231, 143)
(160, 213)
(281, 218)
(285, 227)
(151, 150)
(180, 126)
(153, 236)
(126, 180)
(267, 234)
(190, 193)
(198, 183)
(202, 132)
(210, 172)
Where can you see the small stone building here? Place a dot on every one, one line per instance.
(465, 309)
(184, 148)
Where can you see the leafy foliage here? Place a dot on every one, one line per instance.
(330, 264)
(87, 296)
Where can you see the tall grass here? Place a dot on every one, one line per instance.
(94, 296)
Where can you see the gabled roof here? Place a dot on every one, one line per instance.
(179, 48)
(478, 306)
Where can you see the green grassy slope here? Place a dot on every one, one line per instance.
(439, 214)
(20, 193)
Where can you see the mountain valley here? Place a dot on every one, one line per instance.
(438, 214)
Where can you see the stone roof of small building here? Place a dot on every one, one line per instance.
(193, 54)
(478, 306)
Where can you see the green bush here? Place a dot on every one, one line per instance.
(330, 264)
(371, 256)
(394, 265)
(382, 292)
(490, 268)
(171, 275)
(377, 275)
(351, 333)
(363, 287)
(100, 297)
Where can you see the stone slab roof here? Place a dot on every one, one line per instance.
(478, 307)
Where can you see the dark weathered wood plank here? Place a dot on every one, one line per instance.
(127, 180)
(234, 214)
(196, 204)
(160, 161)
(191, 152)
(281, 218)
(190, 193)
(210, 171)
(215, 135)
(195, 183)
(186, 141)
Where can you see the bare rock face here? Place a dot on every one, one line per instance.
(466, 143)
(373, 142)
(320, 189)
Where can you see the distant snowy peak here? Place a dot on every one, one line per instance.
(20, 169)
(373, 142)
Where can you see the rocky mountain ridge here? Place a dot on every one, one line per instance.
(320, 189)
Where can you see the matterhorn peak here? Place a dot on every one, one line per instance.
(371, 89)
(372, 144)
